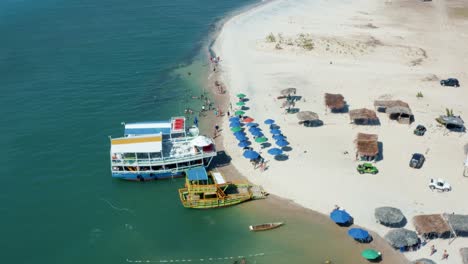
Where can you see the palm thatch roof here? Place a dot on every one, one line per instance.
(384, 104)
(464, 255)
(402, 238)
(367, 144)
(307, 116)
(459, 224)
(431, 225)
(399, 110)
(288, 91)
(334, 101)
(390, 216)
(423, 261)
(396, 109)
(363, 116)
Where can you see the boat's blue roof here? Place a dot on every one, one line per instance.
(197, 174)
(148, 128)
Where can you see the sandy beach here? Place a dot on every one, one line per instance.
(365, 50)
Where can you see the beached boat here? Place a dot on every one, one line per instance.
(156, 150)
(211, 190)
(266, 226)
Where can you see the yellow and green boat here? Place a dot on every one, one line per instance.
(211, 190)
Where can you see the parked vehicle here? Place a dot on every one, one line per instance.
(417, 160)
(450, 82)
(367, 168)
(440, 185)
(420, 130)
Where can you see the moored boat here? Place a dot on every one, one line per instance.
(211, 190)
(156, 150)
(266, 226)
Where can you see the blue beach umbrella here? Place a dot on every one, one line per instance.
(244, 144)
(275, 131)
(241, 137)
(250, 154)
(275, 151)
(282, 143)
(234, 124)
(239, 133)
(269, 121)
(252, 124)
(340, 216)
(253, 129)
(358, 233)
(234, 118)
(257, 134)
(278, 137)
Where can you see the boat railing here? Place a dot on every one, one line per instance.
(160, 161)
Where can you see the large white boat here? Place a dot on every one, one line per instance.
(156, 150)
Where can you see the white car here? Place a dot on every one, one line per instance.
(440, 185)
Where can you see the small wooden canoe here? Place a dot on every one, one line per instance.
(266, 226)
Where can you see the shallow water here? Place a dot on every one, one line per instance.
(71, 71)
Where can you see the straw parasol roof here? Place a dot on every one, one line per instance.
(459, 224)
(423, 261)
(363, 116)
(433, 224)
(399, 110)
(288, 91)
(389, 216)
(307, 116)
(390, 103)
(464, 255)
(334, 101)
(366, 144)
(401, 237)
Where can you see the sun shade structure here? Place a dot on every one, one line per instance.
(275, 132)
(241, 137)
(288, 91)
(370, 254)
(275, 151)
(236, 129)
(240, 103)
(422, 261)
(432, 226)
(261, 140)
(234, 124)
(363, 116)
(234, 118)
(269, 121)
(358, 233)
(367, 146)
(248, 120)
(279, 137)
(197, 174)
(335, 102)
(282, 143)
(240, 112)
(241, 95)
(307, 116)
(251, 124)
(244, 144)
(340, 216)
(459, 224)
(390, 216)
(402, 238)
(464, 255)
(396, 110)
(250, 154)
(257, 133)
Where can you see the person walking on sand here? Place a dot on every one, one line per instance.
(445, 255)
(217, 128)
(433, 250)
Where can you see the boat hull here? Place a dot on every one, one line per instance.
(146, 176)
(212, 203)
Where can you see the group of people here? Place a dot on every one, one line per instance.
(445, 255)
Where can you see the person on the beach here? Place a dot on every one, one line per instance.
(216, 112)
(228, 113)
(445, 255)
(217, 128)
(433, 250)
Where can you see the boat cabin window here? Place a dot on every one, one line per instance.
(196, 162)
(142, 156)
(171, 166)
(145, 168)
(210, 196)
(183, 164)
(117, 168)
(155, 155)
(129, 156)
(156, 168)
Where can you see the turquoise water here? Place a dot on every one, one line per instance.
(70, 72)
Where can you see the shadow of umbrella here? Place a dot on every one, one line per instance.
(287, 148)
(281, 157)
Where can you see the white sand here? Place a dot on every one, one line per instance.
(318, 174)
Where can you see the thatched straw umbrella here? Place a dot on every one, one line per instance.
(459, 224)
(431, 226)
(367, 145)
(423, 261)
(335, 102)
(288, 91)
(464, 255)
(307, 116)
(402, 238)
(390, 216)
(363, 116)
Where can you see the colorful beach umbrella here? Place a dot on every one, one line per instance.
(358, 233)
(252, 129)
(241, 137)
(261, 139)
(275, 151)
(241, 95)
(370, 254)
(240, 103)
(236, 129)
(282, 143)
(234, 118)
(234, 124)
(244, 144)
(251, 124)
(250, 154)
(257, 134)
(248, 120)
(239, 133)
(269, 121)
(340, 216)
(279, 137)
(239, 112)
(275, 131)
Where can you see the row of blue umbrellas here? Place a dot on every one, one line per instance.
(342, 217)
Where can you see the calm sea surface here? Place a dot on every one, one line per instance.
(70, 72)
